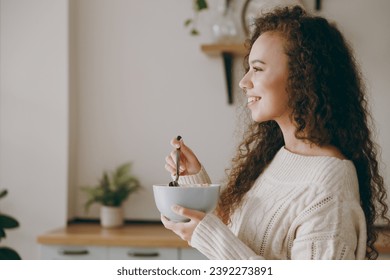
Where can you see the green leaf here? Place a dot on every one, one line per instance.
(123, 169)
(188, 22)
(194, 32)
(201, 5)
(3, 193)
(8, 222)
(122, 174)
(105, 182)
(8, 254)
(88, 205)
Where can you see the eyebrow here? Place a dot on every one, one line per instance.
(257, 61)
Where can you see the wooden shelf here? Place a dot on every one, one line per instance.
(214, 49)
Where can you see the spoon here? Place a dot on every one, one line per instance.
(175, 183)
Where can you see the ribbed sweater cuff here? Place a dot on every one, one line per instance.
(199, 178)
(216, 241)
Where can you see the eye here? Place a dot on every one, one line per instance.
(257, 69)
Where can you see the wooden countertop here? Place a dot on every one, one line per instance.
(137, 235)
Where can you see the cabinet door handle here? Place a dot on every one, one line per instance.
(143, 255)
(74, 252)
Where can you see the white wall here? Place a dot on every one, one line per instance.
(137, 79)
(33, 118)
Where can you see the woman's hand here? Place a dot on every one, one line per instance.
(184, 230)
(189, 163)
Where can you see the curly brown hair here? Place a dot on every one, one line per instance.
(329, 107)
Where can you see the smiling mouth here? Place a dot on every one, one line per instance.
(253, 99)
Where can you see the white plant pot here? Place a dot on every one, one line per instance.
(111, 216)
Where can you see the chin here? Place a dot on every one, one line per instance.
(259, 118)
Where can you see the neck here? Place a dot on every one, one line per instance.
(305, 147)
(293, 144)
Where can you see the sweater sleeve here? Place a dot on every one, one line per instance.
(200, 178)
(216, 241)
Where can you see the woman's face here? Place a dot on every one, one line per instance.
(266, 81)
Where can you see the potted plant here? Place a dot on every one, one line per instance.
(7, 222)
(111, 191)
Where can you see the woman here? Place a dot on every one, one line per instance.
(305, 182)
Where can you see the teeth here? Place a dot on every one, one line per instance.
(253, 99)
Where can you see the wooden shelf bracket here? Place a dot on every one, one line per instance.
(228, 64)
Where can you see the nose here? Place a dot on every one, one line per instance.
(245, 83)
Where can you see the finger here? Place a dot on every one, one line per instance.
(170, 169)
(188, 157)
(177, 143)
(168, 224)
(170, 165)
(183, 147)
(172, 162)
(178, 229)
(189, 213)
(173, 156)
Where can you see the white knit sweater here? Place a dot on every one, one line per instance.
(300, 207)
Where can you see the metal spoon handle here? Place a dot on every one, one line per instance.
(175, 183)
(177, 164)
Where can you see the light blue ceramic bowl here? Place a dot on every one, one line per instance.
(198, 197)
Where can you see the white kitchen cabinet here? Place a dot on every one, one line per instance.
(135, 253)
(60, 252)
(66, 252)
(191, 254)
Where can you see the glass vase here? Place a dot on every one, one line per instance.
(225, 29)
